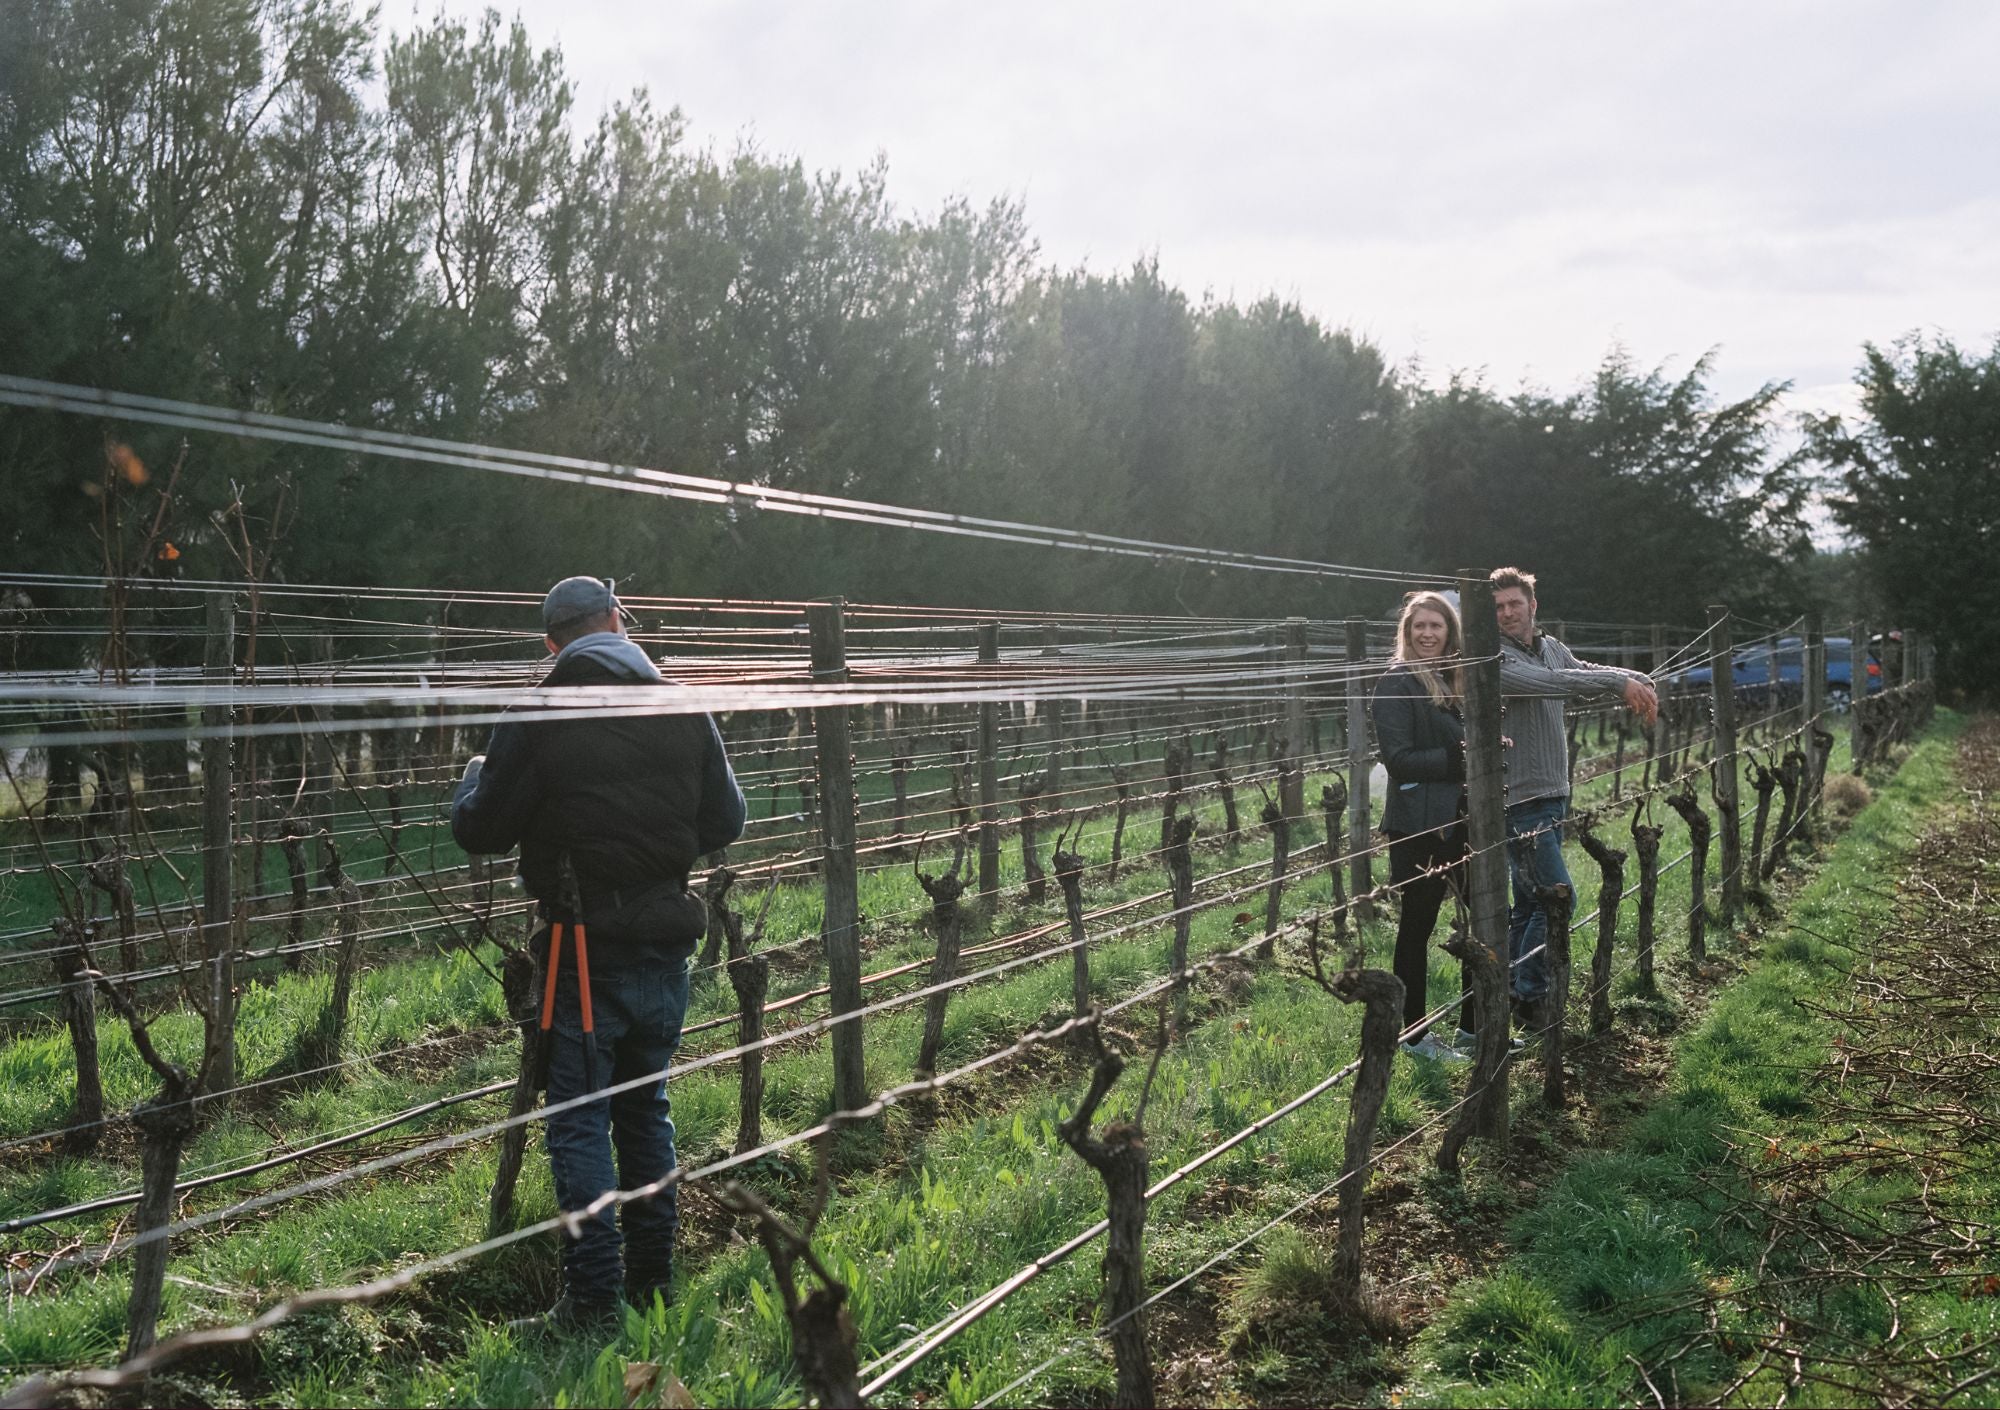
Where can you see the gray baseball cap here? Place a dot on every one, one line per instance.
(574, 599)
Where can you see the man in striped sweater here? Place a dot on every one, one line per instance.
(1537, 675)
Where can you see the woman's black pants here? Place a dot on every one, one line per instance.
(1417, 869)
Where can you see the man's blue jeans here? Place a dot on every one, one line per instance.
(1534, 858)
(638, 1013)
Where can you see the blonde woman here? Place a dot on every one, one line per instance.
(1420, 729)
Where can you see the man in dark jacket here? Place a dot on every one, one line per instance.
(624, 805)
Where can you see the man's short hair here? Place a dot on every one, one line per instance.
(1503, 578)
(575, 627)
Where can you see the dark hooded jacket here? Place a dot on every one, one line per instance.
(635, 801)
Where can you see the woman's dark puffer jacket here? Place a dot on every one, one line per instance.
(1423, 749)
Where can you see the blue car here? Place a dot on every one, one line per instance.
(1750, 672)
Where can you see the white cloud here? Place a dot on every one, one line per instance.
(1511, 187)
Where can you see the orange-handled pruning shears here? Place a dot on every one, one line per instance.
(572, 903)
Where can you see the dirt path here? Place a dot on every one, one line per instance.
(1880, 1283)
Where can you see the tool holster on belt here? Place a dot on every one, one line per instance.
(567, 913)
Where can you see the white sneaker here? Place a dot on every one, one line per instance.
(1468, 1043)
(1429, 1047)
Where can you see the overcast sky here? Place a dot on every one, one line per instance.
(1508, 187)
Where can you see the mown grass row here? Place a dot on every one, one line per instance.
(1611, 1266)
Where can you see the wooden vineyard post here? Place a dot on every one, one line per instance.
(1069, 877)
(1610, 891)
(1817, 740)
(217, 822)
(900, 759)
(1857, 694)
(989, 766)
(1281, 847)
(320, 790)
(944, 891)
(1727, 774)
(1646, 841)
(1361, 873)
(391, 756)
(841, 930)
(1485, 947)
(1120, 1158)
(1333, 806)
(85, 1127)
(1057, 730)
(1627, 657)
(1771, 691)
(1684, 802)
(1557, 903)
(1656, 741)
(1292, 776)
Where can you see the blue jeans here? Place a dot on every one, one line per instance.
(1533, 860)
(638, 1013)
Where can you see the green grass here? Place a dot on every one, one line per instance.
(1609, 1266)
(962, 1203)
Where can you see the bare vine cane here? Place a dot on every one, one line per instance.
(1180, 868)
(165, 1123)
(85, 1126)
(1069, 865)
(1557, 903)
(1274, 817)
(1333, 807)
(1121, 781)
(1646, 842)
(822, 1328)
(750, 977)
(944, 889)
(329, 1035)
(1031, 788)
(1791, 770)
(1685, 802)
(1610, 892)
(1175, 762)
(522, 972)
(1231, 824)
(1764, 780)
(1381, 995)
(1120, 1158)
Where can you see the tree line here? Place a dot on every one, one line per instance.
(271, 204)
